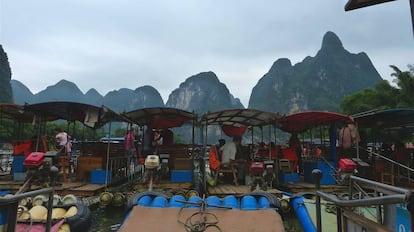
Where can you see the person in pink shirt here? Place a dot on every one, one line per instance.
(130, 142)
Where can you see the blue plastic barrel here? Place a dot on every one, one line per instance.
(4, 217)
(174, 203)
(213, 202)
(194, 199)
(4, 192)
(264, 203)
(249, 203)
(302, 214)
(159, 202)
(144, 201)
(231, 201)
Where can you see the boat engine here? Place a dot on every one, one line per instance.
(152, 162)
(262, 172)
(256, 174)
(347, 167)
(269, 175)
(38, 166)
(163, 168)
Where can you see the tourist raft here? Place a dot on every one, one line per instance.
(152, 211)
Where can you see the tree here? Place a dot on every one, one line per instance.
(405, 82)
(384, 95)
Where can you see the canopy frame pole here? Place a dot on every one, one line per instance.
(107, 155)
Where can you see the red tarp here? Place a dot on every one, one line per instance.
(299, 122)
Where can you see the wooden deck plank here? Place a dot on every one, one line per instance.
(89, 187)
(164, 185)
(80, 189)
(223, 190)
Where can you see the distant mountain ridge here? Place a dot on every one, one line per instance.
(202, 93)
(316, 83)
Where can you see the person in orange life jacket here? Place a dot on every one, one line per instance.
(215, 155)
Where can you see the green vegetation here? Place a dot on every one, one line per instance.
(5, 77)
(383, 95)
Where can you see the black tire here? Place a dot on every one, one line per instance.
(82, 220)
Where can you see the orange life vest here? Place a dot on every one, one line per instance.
(214, 158)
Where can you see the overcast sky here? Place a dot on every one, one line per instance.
(108, 45)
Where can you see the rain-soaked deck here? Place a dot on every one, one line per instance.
(228, 189)
(76, 188)
(182, 219)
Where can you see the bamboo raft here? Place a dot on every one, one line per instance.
(76, 188)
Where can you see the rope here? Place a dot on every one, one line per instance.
(199, 222)
(202, 222)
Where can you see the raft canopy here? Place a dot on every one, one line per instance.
(356, 4)
(390, 118)
(90, 115)
(161, 117)
(239, 118)
(299, 122)
(15, 112)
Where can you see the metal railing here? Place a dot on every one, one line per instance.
(122, 167)
(11, 206)
(393, 162)
(394, 195)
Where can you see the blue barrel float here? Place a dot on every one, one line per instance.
(144, 200)
(213, 202)
(194, 199)
(264, 203)
(249, 203)
(159, 202)
(176, 201)
(231, 202)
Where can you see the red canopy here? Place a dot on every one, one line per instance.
(233, 131)
(299, 122)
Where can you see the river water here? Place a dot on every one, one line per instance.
(106, 219)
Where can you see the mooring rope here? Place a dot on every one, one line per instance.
(202, 223)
